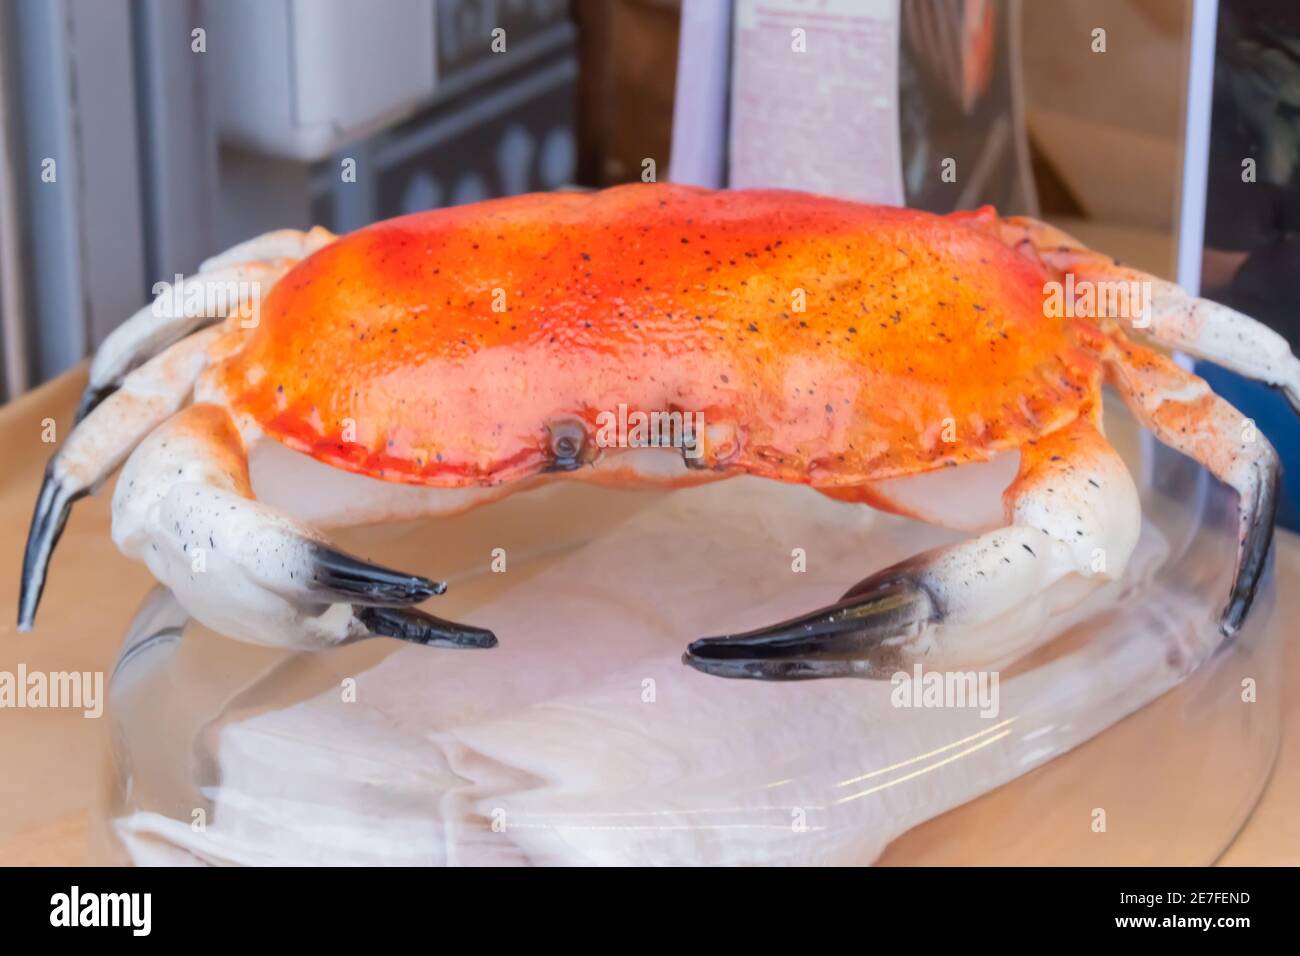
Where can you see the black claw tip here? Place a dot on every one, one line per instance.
(50, 516)
(1253, 551)
(365, 583)
(855, 638)
(707, 661)
(408, 624)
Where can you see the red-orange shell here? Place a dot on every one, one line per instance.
(436, 348)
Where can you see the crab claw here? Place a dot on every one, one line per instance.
(855, 638)
(53, 505)
(408, 624)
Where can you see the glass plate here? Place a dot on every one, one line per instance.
(1136, 736)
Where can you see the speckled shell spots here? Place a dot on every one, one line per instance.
(436, 348)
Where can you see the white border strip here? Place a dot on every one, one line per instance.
(1196, 144)
(702, 105)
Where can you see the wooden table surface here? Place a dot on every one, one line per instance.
(93, 593)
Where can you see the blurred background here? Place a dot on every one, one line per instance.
(140, 136)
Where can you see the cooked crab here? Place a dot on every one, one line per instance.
(450, 357)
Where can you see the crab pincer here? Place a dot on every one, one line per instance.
(860, 636)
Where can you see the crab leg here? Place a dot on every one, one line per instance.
(1180, 409)
(185, 507)
(1173, 318)
(225, 284)
(1073, 518)
(99, 444)
(153, 490)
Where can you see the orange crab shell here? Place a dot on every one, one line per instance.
(836, 343)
